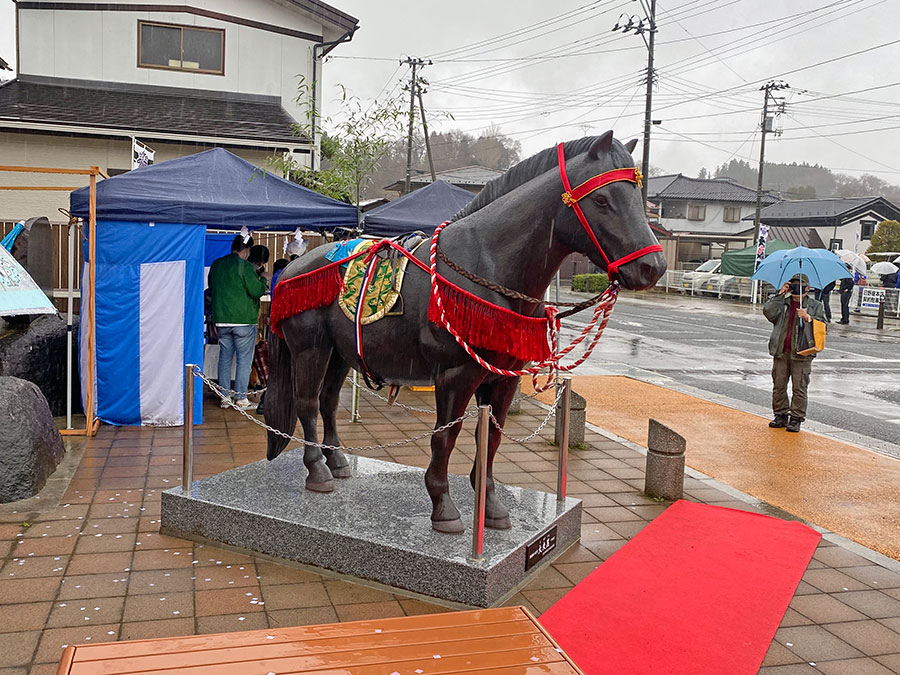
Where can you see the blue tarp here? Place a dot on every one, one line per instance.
(216, 189)
(149, 311)
(423, 209)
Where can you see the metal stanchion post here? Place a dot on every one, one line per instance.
(187, 460)
(354, 402)
(481, 460)
(879, 324)
(565, 407)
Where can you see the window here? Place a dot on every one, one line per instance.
(866, 229)
(732, 214)
(835, 244)
(673, 210)
(696, 212)
(171, 47)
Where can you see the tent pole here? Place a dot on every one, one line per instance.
(90, 428)
(71, 300)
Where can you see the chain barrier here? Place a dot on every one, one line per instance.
(216, 389)
(541, 426)
(473, 410)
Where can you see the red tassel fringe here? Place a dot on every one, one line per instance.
(312, 290)
(485, 325)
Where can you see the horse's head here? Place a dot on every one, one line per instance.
(602, 214)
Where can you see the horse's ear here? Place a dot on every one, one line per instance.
(602, 144)
(631, 145)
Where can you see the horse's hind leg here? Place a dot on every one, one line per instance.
(310, 365)
(453, 389)
(499, 396)
(329, 399)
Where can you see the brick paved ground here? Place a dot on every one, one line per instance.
(96, 569)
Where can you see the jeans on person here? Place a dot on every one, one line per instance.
(236, 341)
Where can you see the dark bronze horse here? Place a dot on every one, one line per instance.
(516, 233)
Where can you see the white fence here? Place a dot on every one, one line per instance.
(710, 285)
(865, 299)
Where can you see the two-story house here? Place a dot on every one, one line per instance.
(839, 222)
(704, 215)
(181, 77)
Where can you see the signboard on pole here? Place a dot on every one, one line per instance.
(141, 155)
(761, 245)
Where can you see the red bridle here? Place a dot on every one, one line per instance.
(572, 196)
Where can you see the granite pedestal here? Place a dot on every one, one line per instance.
(375, 525)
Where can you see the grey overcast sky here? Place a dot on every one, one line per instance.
(545, 72)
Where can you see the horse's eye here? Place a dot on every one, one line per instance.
(600, 200)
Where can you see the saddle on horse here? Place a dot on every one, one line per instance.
(385, 271)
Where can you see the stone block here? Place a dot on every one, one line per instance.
(664, 476)
(30, 444)
(37, 352)
(577, 421)
(376, 526)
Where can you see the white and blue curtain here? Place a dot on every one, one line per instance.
(149, 314)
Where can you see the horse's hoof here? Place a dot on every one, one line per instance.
(498, 523)
(326, 486)
(342, 472)
(448, 526)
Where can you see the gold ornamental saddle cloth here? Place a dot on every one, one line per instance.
(384, 288)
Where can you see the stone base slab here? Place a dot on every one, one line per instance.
(374, 526)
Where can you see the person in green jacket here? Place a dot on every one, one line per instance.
(787, 310)
(236, 287)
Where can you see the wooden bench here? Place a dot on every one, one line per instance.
(506, 641)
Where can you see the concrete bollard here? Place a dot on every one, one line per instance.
(576, 422)
(664, 475)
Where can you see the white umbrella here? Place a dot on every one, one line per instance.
(884, 268)
(856, 260)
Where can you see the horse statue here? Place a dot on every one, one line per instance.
(515, 233)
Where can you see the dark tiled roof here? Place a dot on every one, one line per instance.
(703, 189)
(798, 236)
(815, 208)
(134, 111)
(478, 176)
(327, 12)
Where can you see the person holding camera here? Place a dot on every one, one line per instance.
(788, 310)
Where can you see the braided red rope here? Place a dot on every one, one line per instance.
(601, 314)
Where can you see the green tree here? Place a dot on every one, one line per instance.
(351, 148)
(886, 237)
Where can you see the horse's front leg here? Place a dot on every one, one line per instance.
(453, 388)
(499, 396)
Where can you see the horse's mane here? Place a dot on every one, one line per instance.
(523, 172)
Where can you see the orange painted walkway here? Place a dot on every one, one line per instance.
(849, 490)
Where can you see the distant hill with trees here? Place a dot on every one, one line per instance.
(806, 181)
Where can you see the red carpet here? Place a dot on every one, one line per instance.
(700, 590)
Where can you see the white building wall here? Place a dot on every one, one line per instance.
(102, 46)
(72, 153)
(714, 222)
(849, 233)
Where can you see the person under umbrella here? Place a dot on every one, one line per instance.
(792, 272)
(787, 310)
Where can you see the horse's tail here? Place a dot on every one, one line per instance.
(280, 407)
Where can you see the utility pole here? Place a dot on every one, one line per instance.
(415, 63)
(768, 126)
(640, 26)
(425, 131)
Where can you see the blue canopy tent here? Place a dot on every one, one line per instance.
(423, 209)
(150, 253)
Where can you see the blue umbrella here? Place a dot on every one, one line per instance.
(820, 266)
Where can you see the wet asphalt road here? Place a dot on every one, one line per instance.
(721, 347)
